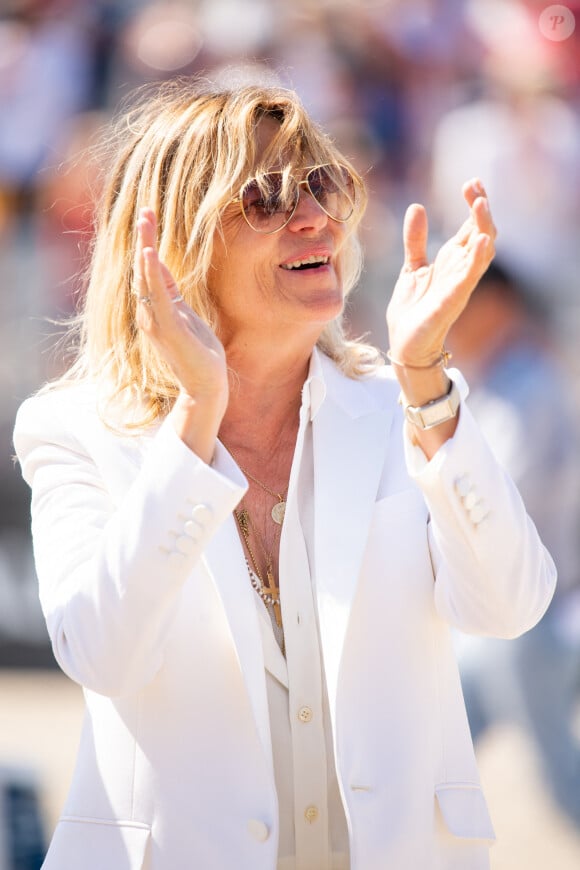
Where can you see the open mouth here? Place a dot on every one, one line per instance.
(313, 262)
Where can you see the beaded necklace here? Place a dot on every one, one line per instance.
(266, 587)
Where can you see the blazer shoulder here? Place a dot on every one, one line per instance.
(81, 409)
(382, 386)
(377, 390)
(68, 426)
(57, 408)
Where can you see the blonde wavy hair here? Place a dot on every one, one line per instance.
(185, 148)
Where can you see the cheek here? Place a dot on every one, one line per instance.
(347, 265)
(223, 262)
(264, 284)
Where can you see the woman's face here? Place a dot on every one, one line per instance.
(256, 279)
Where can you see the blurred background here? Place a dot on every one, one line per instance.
(421, 95)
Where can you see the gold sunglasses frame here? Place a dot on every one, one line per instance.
(304, 182)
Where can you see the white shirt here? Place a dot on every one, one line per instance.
(313, 828)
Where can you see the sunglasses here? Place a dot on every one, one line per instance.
(269, 201)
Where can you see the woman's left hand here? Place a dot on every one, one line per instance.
(428, 298)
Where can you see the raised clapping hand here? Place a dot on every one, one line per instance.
(428, 298)
(186, 343)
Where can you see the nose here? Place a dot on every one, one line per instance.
(308, 213)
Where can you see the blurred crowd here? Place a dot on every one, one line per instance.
(422, 95)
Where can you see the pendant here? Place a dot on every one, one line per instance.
(278, 512)
(277, 613)
(275, 595)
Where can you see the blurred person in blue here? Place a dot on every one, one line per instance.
(521, 398)
(252, 536)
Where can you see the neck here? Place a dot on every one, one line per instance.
(265, 395)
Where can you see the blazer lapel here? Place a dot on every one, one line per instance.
(223, 559)
(350, 437)
(224, 562)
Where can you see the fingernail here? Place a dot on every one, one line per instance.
(479, 188)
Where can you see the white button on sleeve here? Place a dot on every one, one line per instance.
(478, 513)
(258, 830)
(470, 500)
(201, 513)
(463, 485)
(192, 529)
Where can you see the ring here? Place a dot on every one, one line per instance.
(178, 298)
(146, 300)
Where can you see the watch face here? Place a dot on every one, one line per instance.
(440, 412)
(436, 412)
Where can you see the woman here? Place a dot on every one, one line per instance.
(237, 533)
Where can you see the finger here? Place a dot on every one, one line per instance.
(145, 295)
(415, 232)
(478, 202)
(154, 276)
(464, 232)
(170, 285)
(148, 222)
(472, 189)
(162, 289)
(480, 257)
(482, 217)
(147, 289)
(139, 286)
(146, 237)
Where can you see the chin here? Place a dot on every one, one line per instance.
(323, 310)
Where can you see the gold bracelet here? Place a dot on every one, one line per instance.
(442, 359)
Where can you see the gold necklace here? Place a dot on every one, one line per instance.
(279, 509)
(267, 589)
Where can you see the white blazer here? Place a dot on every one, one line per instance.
(138, 564)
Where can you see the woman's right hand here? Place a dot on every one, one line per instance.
(187, 344)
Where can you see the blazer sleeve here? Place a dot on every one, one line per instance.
(493, 574)
(111, 570)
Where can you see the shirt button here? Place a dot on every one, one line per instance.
(305, 714)
(311, 814)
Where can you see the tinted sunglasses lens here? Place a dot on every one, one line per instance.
(266, 205)
(333, 188)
